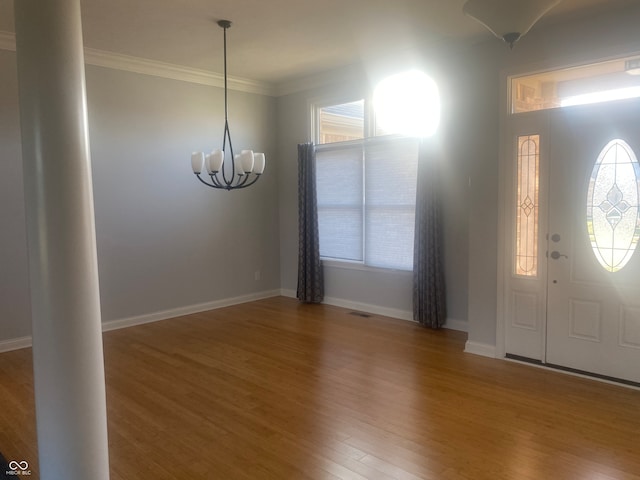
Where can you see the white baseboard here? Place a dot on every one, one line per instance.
(24, 342)
(187, 310)
(451, 323)
(285, 292)
(15, 344)
(482, 349)
(369, 308)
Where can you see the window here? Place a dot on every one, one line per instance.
(528, 161)
(341, 122)
(607, 81)
(366, 173)
(366, 201)
(613, 217)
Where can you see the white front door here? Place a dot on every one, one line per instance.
(593, 274)
(572, 275)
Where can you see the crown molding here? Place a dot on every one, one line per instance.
(127, 63)
(117, 61)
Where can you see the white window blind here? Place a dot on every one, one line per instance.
(340, 200)
(391, 169)
(366, 201)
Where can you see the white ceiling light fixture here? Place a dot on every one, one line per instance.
(242, 165)
(508, 20)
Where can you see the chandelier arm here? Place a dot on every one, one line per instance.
(215, 180)
(257, 176)
(242, 179)
(205, 182)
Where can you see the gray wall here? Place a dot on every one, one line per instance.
(165, 241)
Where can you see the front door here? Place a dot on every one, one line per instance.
(593, 274)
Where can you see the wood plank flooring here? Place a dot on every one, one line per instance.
(275, 389)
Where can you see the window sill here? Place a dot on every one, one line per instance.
(347, 265)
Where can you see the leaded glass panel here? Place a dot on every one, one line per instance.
(613, 220)
(528, 163)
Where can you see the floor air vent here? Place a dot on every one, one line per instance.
(360, 314)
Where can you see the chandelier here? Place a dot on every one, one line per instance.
(244, 168)
(508, 20)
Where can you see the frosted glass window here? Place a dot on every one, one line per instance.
(526, 248)
(613, 222)
(366, 201)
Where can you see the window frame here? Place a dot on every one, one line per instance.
(370, 126)
(370, 130)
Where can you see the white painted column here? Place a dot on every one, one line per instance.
(67, 337)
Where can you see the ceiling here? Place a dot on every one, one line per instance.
(278, 40)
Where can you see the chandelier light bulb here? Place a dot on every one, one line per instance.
(238, 164)
(217, 160)
(247, 160)
(258, 163)
(197, 162)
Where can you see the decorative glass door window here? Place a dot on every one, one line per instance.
(613, 220)
(526, 239)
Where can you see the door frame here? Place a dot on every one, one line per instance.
(506, 182)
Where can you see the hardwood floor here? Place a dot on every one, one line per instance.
(275, 389)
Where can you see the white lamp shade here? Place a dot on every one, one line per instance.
(216, 159)
(247, 160)
(258, 163)
(503, 17)
(197, 162)
(237, 162)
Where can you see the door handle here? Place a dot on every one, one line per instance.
(556, 255)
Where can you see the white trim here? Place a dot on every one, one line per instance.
(450, 323)
(573, 374)
(24, 342)
(286, 292)
(127, 63)
(482, 349)
(369, 308)
(15, 344)
(361, 266)
(187, 310)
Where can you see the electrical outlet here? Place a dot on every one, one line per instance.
(256, 275)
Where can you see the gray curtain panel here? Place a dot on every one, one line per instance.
(310, 279)
(429, 301)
